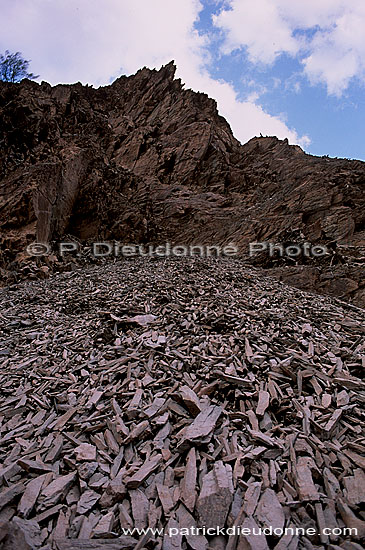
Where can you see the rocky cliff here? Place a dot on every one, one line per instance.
(145, 160)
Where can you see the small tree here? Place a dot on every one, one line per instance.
(13, 68)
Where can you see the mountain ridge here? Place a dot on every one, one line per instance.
(145, 160)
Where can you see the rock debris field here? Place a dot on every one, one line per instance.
(175, 395)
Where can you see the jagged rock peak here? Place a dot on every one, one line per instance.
(166, 72)
(146, 160)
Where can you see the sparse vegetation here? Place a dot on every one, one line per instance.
(14, 68)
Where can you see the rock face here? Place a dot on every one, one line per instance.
(145, 160)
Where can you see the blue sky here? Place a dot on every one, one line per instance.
(276, 67)
(334, 122)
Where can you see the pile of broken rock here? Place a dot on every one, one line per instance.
(177, 395)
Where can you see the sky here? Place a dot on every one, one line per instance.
(288, 68)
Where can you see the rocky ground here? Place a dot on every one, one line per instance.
(177, 394)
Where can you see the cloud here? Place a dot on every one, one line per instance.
(258, 27)
(327, 36)
(247, 119)
(92, 40)
(338, 55)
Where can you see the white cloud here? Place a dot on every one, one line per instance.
(257, 26)
(338, 55)
(92, 40)
(332, 53)
(247, 119)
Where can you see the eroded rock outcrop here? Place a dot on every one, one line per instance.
(145, 160)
